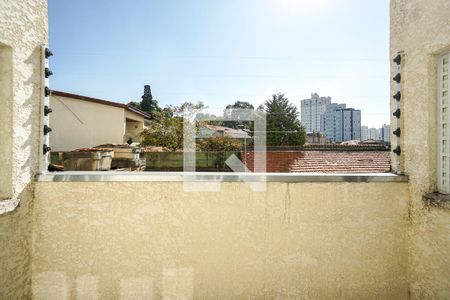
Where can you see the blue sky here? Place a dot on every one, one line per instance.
(219, 52)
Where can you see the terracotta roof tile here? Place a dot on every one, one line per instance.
(325, 161)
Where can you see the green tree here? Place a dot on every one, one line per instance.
(166, 130)
(283, 126)
(135, 104)
(233, 113)
(148, 104)
(219, 144)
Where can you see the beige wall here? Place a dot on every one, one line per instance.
(23, 29)
(134, 125)
(422, 30)
(82, 124)
(298, 240)
(6, 92)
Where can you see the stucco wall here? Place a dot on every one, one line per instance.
(298, 240)
(422, 30)
(6, 86)
(134, 125)
(82, 124)
(23, 29)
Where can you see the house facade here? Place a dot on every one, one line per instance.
(84, 122)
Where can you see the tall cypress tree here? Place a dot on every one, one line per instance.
(148, 104)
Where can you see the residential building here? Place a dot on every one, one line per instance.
(385, 131)
(311, 110)
(340, 123)
(315, 138)
(84, 122)
(364, 133)
(374, 134)
(222, 131)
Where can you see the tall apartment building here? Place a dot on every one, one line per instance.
(311, 111)
(341, 124)
(381, 134)
(364, 133)
(386, 133)
(374, 134)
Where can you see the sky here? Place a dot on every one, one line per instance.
(219, 52)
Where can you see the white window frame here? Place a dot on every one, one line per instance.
(443, 120)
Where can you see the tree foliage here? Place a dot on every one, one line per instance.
(283, 126)
(234, 115)
(148, 104)
(135, 104)
(166, 130)
(219, 144)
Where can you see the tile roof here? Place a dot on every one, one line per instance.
(231, 132)
(325, 161)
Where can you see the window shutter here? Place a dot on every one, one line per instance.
(443, 126)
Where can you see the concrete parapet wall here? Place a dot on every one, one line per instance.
(152, 239)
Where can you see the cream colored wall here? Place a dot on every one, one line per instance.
(134, 125)
(134, 116)
(6, 92)
(422, 30)
(298, 240)
(133, 129)
(82, 124)
(23, 29)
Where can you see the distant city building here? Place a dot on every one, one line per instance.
(311, 111)
(340, 123)
(381, 134)
(364, 133)
(386, 133)
(315, 138)
(374, 134)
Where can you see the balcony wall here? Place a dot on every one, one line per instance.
(298, 240)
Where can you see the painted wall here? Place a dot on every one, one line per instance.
(298, 240)
(82, 124)
(422, 30)
(134, 125)
(23, 29)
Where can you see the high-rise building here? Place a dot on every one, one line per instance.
(311, 110)
(381, 134)
(374, 134)
(386, 133)
(364, 133)
(340, 123)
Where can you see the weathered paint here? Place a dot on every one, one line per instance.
(422, 30)
(23, 29)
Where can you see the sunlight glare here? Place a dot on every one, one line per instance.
(302, 5)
